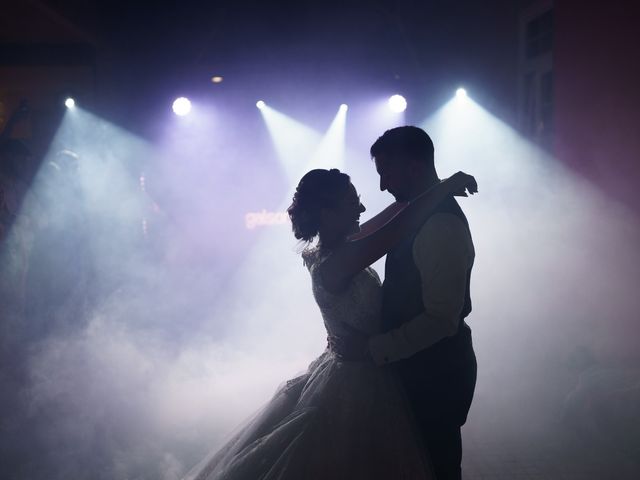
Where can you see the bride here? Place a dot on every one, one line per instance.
(341, 419)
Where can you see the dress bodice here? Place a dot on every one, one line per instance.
(358, 306)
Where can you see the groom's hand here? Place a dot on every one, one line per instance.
(352, 347)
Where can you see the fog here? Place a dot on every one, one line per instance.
(158, 321)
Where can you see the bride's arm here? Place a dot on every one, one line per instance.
(354, 255)
(377, 221)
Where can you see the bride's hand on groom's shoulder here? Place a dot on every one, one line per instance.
(463, 183)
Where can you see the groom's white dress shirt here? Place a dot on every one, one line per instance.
(443, 252)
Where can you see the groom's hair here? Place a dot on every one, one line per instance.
(407, 141)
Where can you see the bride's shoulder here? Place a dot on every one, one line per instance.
(312, 257)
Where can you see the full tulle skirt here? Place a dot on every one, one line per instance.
(339, 420)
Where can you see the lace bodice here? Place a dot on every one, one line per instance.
(359, 306)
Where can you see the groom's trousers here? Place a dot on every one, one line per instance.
(440, 386)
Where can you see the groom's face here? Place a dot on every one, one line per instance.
(395, 176)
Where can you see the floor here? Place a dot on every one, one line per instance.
(561, 456)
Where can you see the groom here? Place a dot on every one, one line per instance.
(425, 301)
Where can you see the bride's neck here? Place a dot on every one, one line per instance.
(329, 243)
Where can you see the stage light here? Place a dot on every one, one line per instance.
(181, 106)
(461, 93)
(397, 103)
(344, 107)
(69, 103)
(260, 104)
(217, 79)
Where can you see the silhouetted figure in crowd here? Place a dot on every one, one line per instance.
(60, 263)
(14, 156)
(15, 228)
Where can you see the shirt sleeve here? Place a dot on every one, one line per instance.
(443, 252)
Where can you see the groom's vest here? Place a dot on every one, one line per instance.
(402, 301)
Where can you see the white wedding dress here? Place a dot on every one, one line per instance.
(339, 420)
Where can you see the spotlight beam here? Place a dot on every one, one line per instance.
(294, 142)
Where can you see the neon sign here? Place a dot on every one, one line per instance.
(265, 219)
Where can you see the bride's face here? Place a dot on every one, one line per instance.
(344, 218)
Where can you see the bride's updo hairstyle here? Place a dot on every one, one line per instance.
(318, 189)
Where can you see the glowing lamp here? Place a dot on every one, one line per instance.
(181, 106)
(397, 103)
